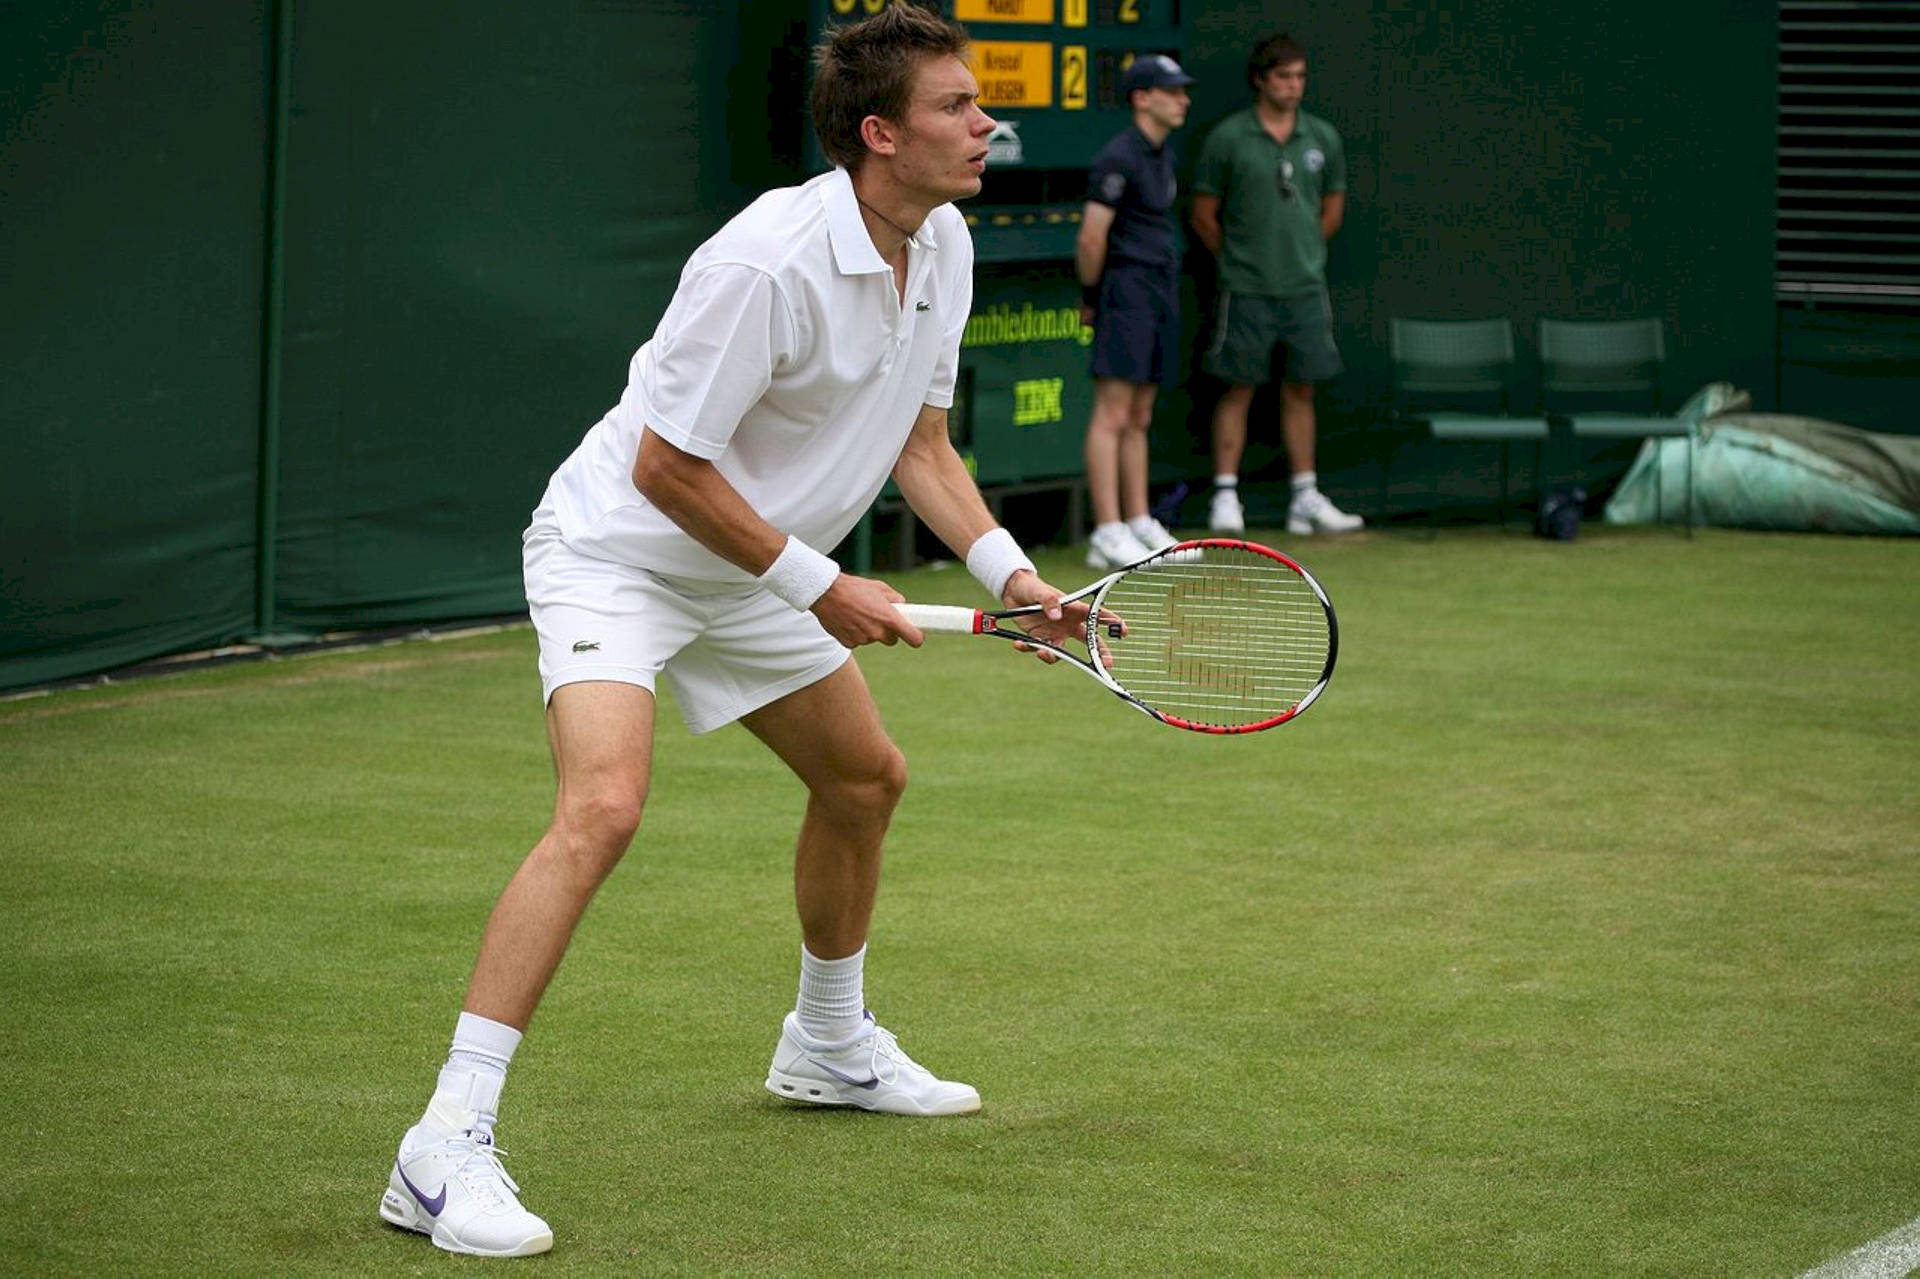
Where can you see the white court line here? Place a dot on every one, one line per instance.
(1892, 1256)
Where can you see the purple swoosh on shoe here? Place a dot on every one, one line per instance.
(433, 1205)
(843, 1078)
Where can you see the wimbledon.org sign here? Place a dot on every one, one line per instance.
(1003, 325)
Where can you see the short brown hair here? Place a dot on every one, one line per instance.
(1277, 50)
(867, 68)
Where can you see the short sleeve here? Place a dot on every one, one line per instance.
(725, 334)
(946, 370)
(1107, 180)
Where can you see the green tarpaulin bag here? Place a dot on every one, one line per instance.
(1773, 471)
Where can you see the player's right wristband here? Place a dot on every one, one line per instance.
(800, 575)
(994, 558)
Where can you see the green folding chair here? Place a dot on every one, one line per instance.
(1584, 362)
(1443, 370)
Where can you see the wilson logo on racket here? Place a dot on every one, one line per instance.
(1216, 635)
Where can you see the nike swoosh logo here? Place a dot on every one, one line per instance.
(433, 1205)
(849, 1080)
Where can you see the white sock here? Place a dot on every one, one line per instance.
(1110, 529)
(1226, 481)
(1142, 526)
(1305, 481)
(831, 1007)
(468, 1091)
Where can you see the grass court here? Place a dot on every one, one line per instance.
(1576, 931)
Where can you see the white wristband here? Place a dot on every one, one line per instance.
(995, 558)
(801, 575)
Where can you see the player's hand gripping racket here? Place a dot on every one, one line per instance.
(1216, 635)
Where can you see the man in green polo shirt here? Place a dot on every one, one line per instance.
(1269, 192)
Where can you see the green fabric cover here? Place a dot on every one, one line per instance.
(1774, 471)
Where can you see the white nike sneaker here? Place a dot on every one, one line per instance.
(1152, 534)
(1115, 546)
(1225, 515)
(870, 1072)
(1311, 512)
(457, 1192)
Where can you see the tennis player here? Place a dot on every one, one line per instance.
(809, 351)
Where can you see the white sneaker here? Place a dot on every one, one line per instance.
(1311, 512)
(1152, 534)
(456, 1191)
(1225, 515)
(870, 1072)
(1115, 546)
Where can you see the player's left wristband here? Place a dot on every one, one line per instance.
(800, 575)
(994, 558)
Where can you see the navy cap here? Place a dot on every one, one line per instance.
(1153, 71)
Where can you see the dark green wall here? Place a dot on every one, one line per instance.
(485, 217)
(487, 206)
(132, 184)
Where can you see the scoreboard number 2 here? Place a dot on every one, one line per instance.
(1073, 77)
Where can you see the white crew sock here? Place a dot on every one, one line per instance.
(1226, 481)
(1305, 482)
(831, 1008)
(468, 1090)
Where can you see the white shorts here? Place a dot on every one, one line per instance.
(726, 650)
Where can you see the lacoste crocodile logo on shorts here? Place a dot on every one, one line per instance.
(586, 646)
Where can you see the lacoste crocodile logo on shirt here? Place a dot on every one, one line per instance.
(585, 646)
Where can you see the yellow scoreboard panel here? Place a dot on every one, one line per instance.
(1034, 11)
(1013, 73)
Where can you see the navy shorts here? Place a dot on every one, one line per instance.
(1249, 329)
(1136, 327)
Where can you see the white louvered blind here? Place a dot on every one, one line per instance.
(1847, 197)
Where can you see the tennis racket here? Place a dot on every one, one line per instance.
(1215, 635)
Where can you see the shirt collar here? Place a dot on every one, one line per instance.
(1147, 143)
(853, 251)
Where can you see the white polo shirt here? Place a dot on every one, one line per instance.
(788, 360)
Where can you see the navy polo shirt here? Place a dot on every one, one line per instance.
(1135, 179)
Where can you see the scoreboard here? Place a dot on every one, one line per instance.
(1049, 74)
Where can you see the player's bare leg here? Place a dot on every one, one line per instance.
(830, 735)
(448, 1181)
(831, 1052)
(602, 738)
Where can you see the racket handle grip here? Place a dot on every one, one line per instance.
(947, 619)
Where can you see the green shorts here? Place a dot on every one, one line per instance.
(1249, 329)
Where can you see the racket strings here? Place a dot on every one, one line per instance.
(1234, 639)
